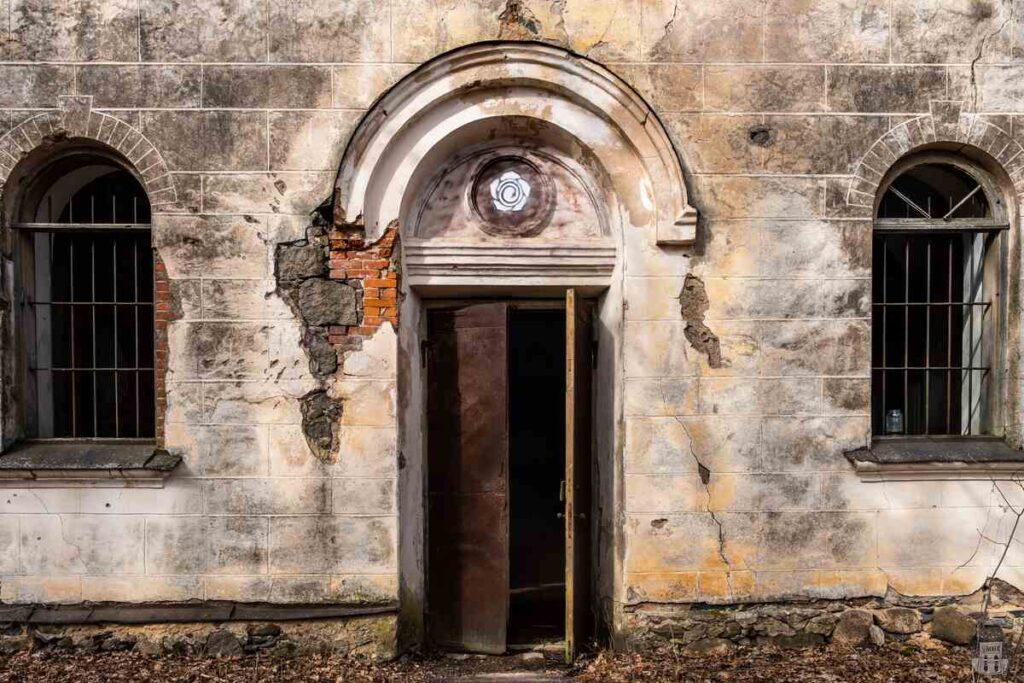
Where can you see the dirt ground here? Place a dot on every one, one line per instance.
(894, 663)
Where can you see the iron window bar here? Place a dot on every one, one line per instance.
(36, 302)
(934, 225)
(124, 376)
(968, 270)
(957, 225)
(79, 227)
(121, 381)
(985, 304)
(966, 368)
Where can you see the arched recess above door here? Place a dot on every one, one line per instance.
(513, 138)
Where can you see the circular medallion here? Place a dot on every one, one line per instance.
(509, 192)
(513, 197)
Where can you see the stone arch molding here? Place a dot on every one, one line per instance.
(603, 116)
(76, 119)
(946, 122)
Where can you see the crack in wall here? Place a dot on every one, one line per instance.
(667, 28)
(704, 472)
(558, 8)
(977, 58)
(604, 34)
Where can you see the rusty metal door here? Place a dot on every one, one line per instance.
(467, 443)
(578, 453)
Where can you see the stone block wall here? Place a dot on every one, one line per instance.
(734, 483)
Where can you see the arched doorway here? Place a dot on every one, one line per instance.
(519, 176)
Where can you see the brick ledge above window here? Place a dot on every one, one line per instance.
(944, 458)
(89, 464)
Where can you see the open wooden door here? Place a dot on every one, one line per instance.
(467, 442)
(578, 373)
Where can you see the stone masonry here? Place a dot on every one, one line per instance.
(744, 371)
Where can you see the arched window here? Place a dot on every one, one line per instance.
(935, 315)
(84, 275)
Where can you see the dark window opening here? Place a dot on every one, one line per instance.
(934, 314)
(87, 306)
(112, 199)
(930, 371)
(935, 191)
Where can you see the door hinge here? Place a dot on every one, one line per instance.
(424, 350)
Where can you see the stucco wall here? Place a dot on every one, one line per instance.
(771, 105)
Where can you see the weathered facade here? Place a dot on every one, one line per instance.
(707, 173)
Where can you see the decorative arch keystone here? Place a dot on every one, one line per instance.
(603, 116)
(946, 122)
(76, 119)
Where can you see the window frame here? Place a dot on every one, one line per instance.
(994, 273)
(22, 229)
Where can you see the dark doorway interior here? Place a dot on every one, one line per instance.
(536, 470)
(497, 457)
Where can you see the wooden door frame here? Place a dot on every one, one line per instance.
(410, 450)
(513, 303)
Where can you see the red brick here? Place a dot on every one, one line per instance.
(389, 294)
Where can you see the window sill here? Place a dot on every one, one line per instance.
(89, 464)
(953, 458)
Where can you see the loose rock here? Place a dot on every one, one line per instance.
(12, 644)
(822, 625)
(953, 626)
(222, 643)
(853, 627)
(902, 620)
(877, 635)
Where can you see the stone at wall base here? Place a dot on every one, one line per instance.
(856, 622)
(371, 636)
(902, 620)
(854, 627)
(953, 626)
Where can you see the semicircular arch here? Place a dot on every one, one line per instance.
(493, 81)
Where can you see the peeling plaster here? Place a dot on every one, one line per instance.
(517, 22)
(693, 304)
(300, 267)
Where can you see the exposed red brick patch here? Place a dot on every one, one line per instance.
(161, 318)
(373, 268)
